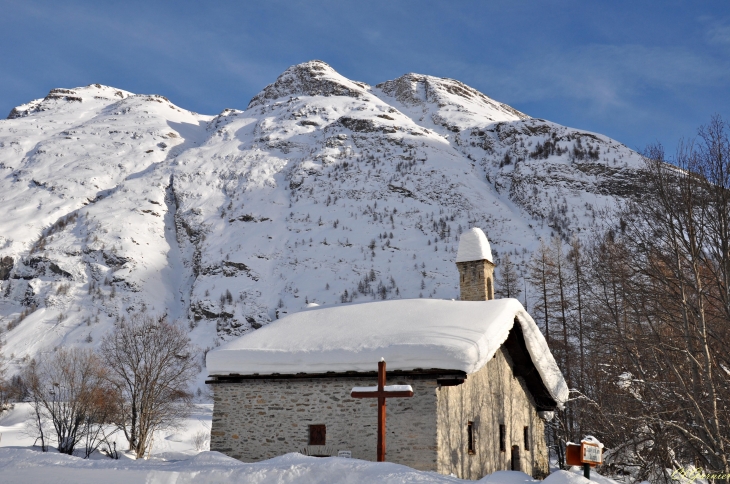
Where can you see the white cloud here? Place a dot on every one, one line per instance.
(718, 32)
(604, 76)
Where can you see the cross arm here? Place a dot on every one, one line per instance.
(389, 391)
(380, 394)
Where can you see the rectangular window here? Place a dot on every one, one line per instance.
(317, 435)
(470, 437)
(527, 438)
(502, 438)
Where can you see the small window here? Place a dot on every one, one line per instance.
(470, 437)
(527, 438)
(317, 435)
(489, 288)
(502, 438)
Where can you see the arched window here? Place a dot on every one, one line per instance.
(489, 288)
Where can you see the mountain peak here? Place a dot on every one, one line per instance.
(77, 94)
(413, 90)
(328, 191)
(313, 78)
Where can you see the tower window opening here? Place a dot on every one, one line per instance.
(502, 438)
(470, 437)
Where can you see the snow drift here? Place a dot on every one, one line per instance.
(21, 465)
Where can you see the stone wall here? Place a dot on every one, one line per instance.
(476, 280)
(488, 398)
(260, 419)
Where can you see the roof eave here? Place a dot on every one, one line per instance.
(418, 373)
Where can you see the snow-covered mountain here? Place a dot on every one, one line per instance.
(323, 190)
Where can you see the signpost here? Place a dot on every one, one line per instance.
(381, 392)
(589, 453)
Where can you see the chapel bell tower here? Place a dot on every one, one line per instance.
(476, 269)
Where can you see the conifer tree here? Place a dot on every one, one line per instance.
(509, 285)
(540, 271)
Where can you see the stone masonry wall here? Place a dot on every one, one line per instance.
(260, 419)
(476, 280)
(488, 398)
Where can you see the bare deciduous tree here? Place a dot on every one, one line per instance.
(644, 311)
(152, 364)
(658, 317)
(101, 413)
(68, 392)
(201, 440)
(552, 278)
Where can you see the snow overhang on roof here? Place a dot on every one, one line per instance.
(473, 245)
(411, 334)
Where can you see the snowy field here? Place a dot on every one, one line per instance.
(175, 460)
(22, 465)
(180, 441)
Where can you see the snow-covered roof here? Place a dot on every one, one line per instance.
(473, 245)
(409, 333)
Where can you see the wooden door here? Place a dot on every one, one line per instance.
(516, 458)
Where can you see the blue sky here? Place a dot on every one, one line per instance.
(637, 71)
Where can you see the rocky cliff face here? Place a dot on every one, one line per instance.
(324, 190)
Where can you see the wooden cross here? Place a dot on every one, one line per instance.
(381, 392)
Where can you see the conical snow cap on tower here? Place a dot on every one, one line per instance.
(473, 245)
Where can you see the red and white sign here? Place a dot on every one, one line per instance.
(590, 453)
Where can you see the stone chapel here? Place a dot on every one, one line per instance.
(483, 379)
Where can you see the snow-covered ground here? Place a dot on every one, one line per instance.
(175, 460)
(13, 431)
(22, 465)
